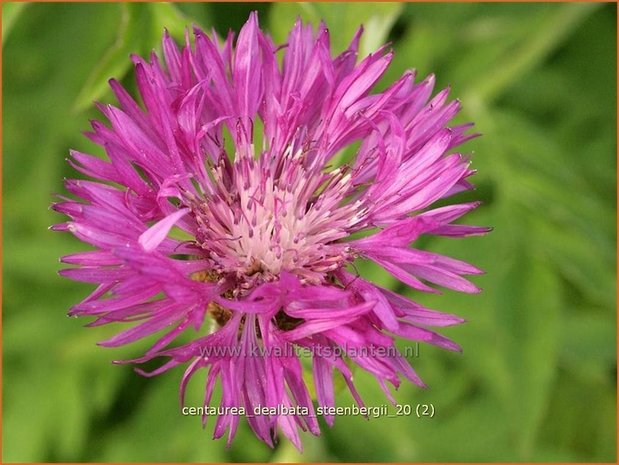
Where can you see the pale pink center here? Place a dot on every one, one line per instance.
(277, 215)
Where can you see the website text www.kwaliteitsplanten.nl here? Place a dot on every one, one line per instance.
(289, 350)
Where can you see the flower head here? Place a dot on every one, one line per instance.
(223, 211)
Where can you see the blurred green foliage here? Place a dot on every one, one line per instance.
(537, 381)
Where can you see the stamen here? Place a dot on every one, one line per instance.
(278, 214)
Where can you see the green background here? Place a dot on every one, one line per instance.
(537, 379)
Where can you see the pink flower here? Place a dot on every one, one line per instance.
(219, 207)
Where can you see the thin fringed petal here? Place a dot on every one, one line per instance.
(247, 74)
(150, 239)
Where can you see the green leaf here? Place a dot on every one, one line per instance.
(537, 46)
(169, 16)
(528, 304)
(200, 13)
(571, 223)
(157, 417)
(582, 418)
(588, 267)
(343, 19)
(134, 20)
(589, 340)
(10, 14)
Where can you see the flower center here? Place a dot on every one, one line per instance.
(274, 215)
